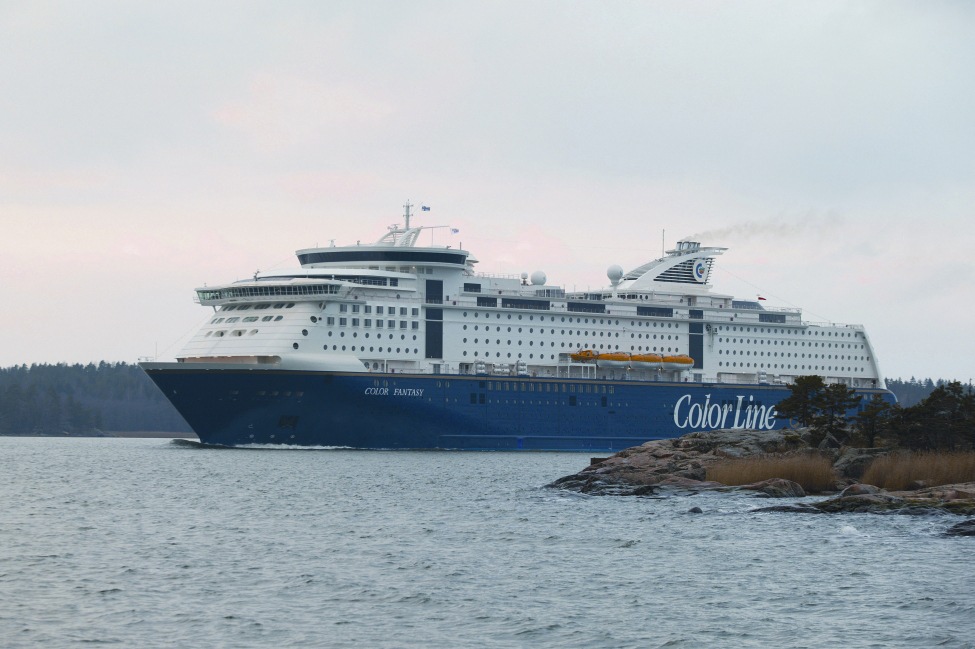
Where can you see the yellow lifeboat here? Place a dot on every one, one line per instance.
(646, 361)
(679, 362)
(613, 359)
(584, 356)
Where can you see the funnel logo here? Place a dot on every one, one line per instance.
(700, 271)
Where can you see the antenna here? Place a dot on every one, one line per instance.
(663, 245)
(406, 214)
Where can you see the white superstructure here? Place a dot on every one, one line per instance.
(395, 305)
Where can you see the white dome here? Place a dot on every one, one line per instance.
(615, 274)
(538, 278)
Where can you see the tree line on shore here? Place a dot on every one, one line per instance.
(912, 391)
(79, 399)
(944, 420)
(43, 399)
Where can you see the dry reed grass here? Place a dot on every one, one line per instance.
(901, 470)
(814, 472)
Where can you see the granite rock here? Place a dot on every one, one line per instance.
(965, 528)
(853, 462)
(679, 463)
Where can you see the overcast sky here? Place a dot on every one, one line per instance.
(149, 148)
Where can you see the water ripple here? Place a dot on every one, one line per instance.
(156, 544)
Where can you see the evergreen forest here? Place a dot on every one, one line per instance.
(943, 420)
(83, 400)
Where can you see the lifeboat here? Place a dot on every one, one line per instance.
(646, 361)
(613, 359)
(680, 362)
(584, 356)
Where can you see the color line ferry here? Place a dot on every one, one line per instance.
(396, 345)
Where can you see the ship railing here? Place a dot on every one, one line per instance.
(497, 276)
(857, 327)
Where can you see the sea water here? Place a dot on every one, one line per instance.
(156, 543)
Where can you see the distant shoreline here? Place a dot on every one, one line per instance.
(151, 434)
(127, 434)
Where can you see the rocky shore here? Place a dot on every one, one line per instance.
(679, 466)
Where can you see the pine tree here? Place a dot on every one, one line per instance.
(945, 420)
(801, 405)
(874, 420)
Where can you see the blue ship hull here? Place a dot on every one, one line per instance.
(236, 407)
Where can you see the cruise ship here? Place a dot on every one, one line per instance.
(397, 345)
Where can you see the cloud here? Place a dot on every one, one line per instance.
(286, 112)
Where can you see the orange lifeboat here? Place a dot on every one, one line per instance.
(679, 362)
(646, 361)
(584, 356)
(613, 359)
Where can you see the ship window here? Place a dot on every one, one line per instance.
(402, 310)
(416, 325)
(330, 320)
(379, 310)
(243, 307)
(379, 324)
(267, 318)
(304, 332)
(279, 317)
(355, 308)
(289, 305)
(390, 324)
(252, 318)
(229, 320)
(295, 345)
(343, 321)
(355, 322)
(367, 323)
(343, 308)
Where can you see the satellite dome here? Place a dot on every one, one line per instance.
(538, 278)
(615, 274)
